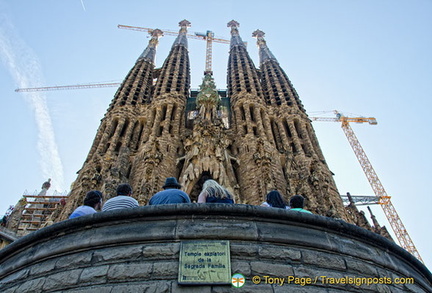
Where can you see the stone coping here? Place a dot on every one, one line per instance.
(218, 212)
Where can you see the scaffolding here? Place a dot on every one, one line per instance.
(38, 209)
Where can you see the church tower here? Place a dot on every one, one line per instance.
(252, 138)
(304, 167)
(162, 139)
(259, 169)
(120, 134)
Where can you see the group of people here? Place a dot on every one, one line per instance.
(274, 200)
(212, 192)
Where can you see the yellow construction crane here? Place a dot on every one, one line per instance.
(384, 199)
(208, 36)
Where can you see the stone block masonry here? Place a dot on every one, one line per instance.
(137, 250)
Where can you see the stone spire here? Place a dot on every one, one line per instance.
(235, 36)
(304, 166)
(377, 228)
(164, 122)
(264, 52)
(120, 134)
(252, 130)
(149, 53)
(175, 72)
(374, 220)
(182, 38)
(242, 74)
(136, 88)
(276, 85)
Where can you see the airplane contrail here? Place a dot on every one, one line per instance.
(82, 3)
(24, 67)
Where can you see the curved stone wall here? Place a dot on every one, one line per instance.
(137, 250)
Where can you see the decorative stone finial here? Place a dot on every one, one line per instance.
(184, 23)
(149, 53)
(233, 24)
(156, 33)
(258, 34)
(264, 51)
(181, 38)
(235, 36)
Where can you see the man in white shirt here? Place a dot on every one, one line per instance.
(92, 202)
(123, 200)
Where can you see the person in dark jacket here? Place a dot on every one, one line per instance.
(171, 194)
(274, 200)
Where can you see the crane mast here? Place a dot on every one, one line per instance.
(384, 199)
(209, 53)
(398, 227)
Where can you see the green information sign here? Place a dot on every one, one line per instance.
(204, 262)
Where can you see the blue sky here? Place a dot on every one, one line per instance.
(363, 58)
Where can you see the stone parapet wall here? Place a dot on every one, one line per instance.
(137, 250)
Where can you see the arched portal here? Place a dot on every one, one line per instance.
(194, 189)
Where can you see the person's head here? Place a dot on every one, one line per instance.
(171, 183)
(93, 199)
(124, 189)
(297, 201)
(214, 189)
(275, 199)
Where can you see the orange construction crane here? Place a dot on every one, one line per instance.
(384, 199)
(208, 36)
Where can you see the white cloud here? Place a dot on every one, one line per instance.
(24, 67)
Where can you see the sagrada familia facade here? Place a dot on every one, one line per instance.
(252, 138)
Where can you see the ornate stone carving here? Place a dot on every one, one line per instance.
(206, 147)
